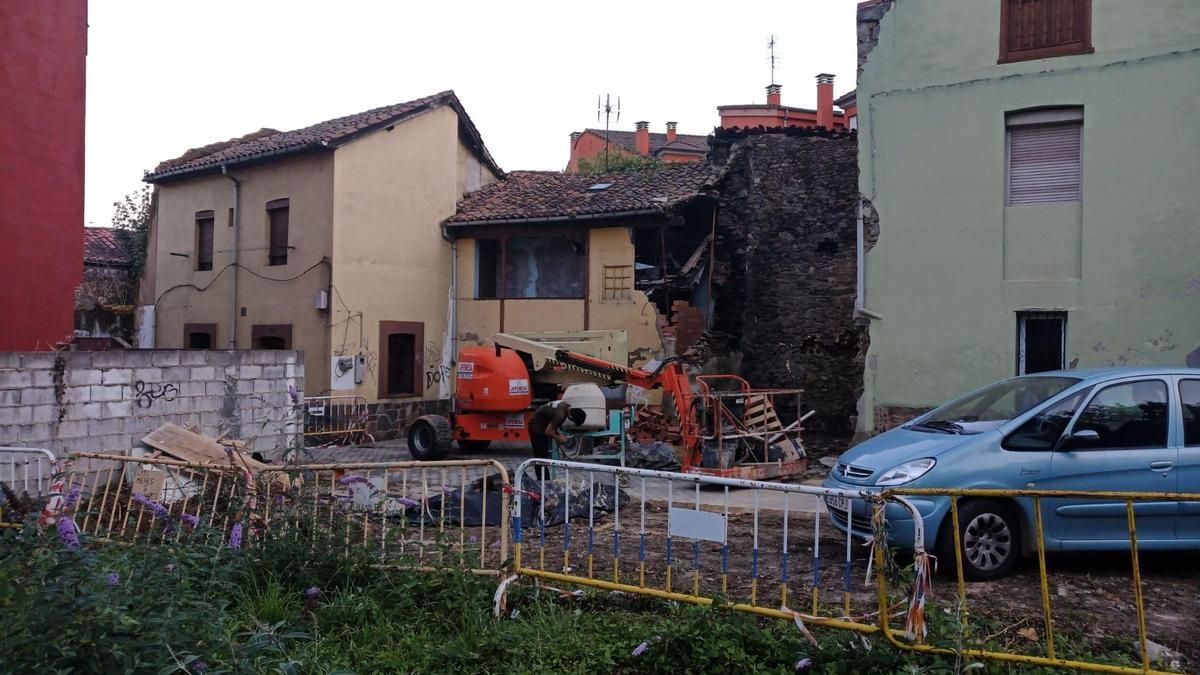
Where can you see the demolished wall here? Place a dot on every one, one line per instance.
(784, 287)
(107, 401)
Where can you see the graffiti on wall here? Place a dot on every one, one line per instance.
(146, 393)
(436, 371)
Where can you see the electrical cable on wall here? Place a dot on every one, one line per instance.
(201, 289)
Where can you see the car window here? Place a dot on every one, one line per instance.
(1189, 394)
(1003, 401)
(1044, 429)
(1128, 415)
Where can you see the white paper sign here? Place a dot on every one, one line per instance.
(693, 524)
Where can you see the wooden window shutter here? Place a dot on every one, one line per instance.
(277, 213)
(1045, 164)
(204, 241)
(1037, 29)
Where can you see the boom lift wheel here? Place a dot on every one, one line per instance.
(429, 437)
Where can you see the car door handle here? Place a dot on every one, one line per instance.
(1161, 466)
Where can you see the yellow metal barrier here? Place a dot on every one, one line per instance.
(336, 420)
(409, 514)
(1051, 657)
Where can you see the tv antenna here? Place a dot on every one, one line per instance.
(771, 48)
(607, 109)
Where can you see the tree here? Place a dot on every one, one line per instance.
(618, 160)
(131, 220)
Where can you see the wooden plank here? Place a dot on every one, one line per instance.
(188, 446)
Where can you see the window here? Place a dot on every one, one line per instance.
(1189, 395)
(400, 358)
(1039, 29)
(1041, 341)
(199, 335)
(531, 267)
(230, 221)
(1000, 402)
(271, 336)
(854, 121)
(487, 266)
(277, 225)
(1044, 156)
(204, 241)
(1128, 415)
(618, 282)
(1044, 429)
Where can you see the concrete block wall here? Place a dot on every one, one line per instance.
(107, 401)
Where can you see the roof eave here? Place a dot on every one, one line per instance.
(562, 218)
(216, 167)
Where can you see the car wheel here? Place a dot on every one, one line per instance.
(990, 536)
(429, 438)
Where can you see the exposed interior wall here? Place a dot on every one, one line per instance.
(269, 294)
(107, 401)
(479, 320)
(784, 287)
(953, 264)
(634, 313)
(392, 189)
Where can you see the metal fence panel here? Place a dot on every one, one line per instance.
(409, 514)
(1049, 656)
(336, 420)
(687, 537)
(26, 477)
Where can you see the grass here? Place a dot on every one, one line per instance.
(286, 607)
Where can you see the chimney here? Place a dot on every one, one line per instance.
(643, 138)
(773, 94)
(825, 100)
(670, 132)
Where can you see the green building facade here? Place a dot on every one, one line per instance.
(1035, 169)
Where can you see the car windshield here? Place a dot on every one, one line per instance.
(993, 405)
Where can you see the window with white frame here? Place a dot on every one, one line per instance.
(1044, 150)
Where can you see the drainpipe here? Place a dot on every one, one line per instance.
(860, 289)
(453, 318)
(237, 212)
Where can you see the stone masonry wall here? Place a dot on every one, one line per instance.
(107, 401)
(784, 285)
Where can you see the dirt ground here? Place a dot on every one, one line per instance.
(1092, 597)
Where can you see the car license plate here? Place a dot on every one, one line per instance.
(837, 502)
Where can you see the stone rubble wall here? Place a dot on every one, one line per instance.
(784, 287)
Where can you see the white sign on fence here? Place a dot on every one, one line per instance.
(694, 524)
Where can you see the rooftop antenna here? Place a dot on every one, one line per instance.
(608, 110)
(771, 48)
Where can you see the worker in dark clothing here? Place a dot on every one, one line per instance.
(546, 424)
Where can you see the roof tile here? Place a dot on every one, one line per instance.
(562, 196)
(328, 134)
(101, 246)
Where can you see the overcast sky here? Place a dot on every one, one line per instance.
(165, 76)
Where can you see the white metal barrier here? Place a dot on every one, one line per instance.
(737, 549)
(27, 476)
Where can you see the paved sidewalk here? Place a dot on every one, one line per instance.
(657, 490)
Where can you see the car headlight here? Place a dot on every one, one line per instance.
(906, 472)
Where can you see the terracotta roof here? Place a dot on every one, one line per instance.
(628, 139)
(267, 144)
(549, 195)
(102, 247)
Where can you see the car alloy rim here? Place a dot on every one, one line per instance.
(987, 541)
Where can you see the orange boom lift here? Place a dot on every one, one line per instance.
(719, 424)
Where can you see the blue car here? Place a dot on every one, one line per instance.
(1113, 429)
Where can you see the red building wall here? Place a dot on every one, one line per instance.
(43, 49)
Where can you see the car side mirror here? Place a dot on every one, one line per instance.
(1084, 438)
